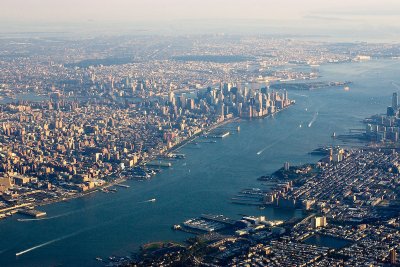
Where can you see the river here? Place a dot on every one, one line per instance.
(101, 224)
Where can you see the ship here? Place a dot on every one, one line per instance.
(122, 185)
(177, 156)
(221, 135)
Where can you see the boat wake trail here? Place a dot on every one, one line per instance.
(261, 151)
(63, 214)
(270, 145)
(277, 141)
(147, 201)
(48, 218)
(46, 243)
(74, 233)
(313, 119)
(300, 95)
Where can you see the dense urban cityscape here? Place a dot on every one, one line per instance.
(90, 126)
(151, 146)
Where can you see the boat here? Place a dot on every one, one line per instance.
(159, 164)
(333, 135)
(152, 200)
(176, 227)
(179, 156)
(223, 135)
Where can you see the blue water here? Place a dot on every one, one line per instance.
(326, 241)
(102, 224)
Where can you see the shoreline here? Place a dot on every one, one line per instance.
(121, 180)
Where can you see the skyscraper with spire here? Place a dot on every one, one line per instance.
(395, 101)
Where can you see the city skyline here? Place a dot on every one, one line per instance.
(199, 133)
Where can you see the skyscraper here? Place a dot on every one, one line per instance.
(171, 97)
(393, 256)
(395, 101)
(317, 222)
(286, 166)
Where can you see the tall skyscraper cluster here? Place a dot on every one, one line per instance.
(229, 100)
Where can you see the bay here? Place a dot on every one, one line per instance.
(100, 224)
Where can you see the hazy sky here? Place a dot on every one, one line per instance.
(378, 15)
(65, 10)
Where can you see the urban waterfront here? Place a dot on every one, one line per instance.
(79, 230)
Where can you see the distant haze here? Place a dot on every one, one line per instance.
(361, 18)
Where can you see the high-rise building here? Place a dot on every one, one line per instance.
(191, 103)
(393, 256)
(395, 101)
(5, 183)
(182, 100)
(317, 222)
(286, 166)
(171, 97)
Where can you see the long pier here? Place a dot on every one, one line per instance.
(16, 207)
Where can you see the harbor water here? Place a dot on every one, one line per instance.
(77, 231)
